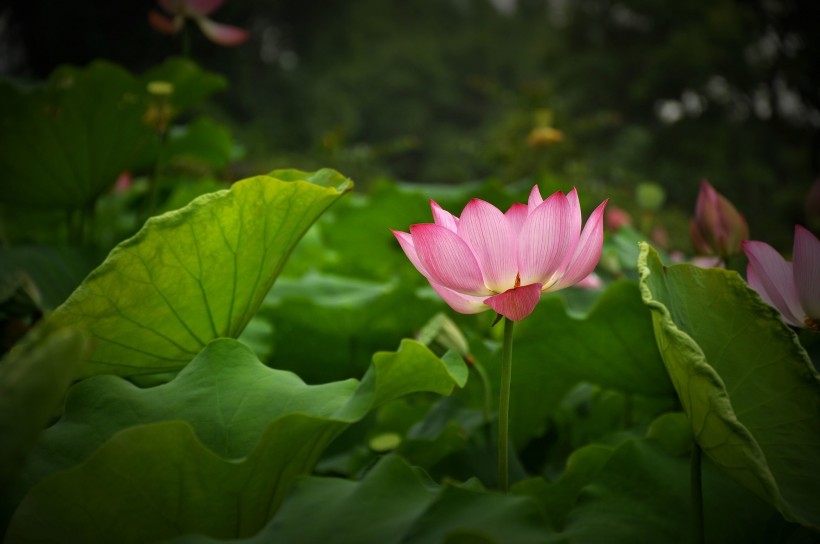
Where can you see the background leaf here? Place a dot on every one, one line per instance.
(63, 144)
(354, 318)
(194, 274)
(192, 84)
(751, 394)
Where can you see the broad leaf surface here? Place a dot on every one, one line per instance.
(751, 393)
(641, 494)
(613, 347)
(34, 376)
(396, 503)
(195, 274)
(559, 497)
(63, 144)
(240, 434)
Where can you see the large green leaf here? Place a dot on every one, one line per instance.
(751, 394)
(33, 379)
(63, 144)
(195, 274)
(641, 494)
(396, 503)
(613, 346)
(559, 497)
(247, 432)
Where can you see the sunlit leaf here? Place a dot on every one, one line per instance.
(751, 394)
(247, 432)
(195, 274)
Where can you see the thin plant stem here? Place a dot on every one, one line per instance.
(504, 408)
(697, 493)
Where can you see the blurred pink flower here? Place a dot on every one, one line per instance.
(718, 228)
(505, 261)
(616, 218)
(198, 10)
(124, 182)
(793, 288)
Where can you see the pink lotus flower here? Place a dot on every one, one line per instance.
(505, 261)
(792, 288)
(198, 10)
(718, 228)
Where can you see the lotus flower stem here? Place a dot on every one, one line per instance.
(697, 493)
(504, 408)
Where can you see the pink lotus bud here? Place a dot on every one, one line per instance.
(718, 228)
(487, 259)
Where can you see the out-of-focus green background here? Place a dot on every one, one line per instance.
(599, 93)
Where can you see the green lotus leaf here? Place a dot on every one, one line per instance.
(559, 497)
(613, 346)
(63, 144)
(195, 274)
(748, 388)
(642, 494)
(34, 376)
(213, 451)
(397, 503)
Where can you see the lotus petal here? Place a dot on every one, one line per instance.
(448, 259)
(544, 240)
(222, 34)
(769, 273)
(516, 303)
(487, 231)
(806, 267)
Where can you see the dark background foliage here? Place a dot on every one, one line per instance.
(451, 91)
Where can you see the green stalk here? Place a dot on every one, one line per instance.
(697, 493)
(504, 408)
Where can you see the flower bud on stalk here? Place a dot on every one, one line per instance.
(718, 228)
